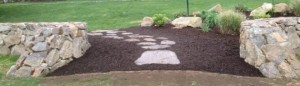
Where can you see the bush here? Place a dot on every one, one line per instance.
(230, 22)
(241, 8)
(295, 4)
(160, 20)
(180, 14)
(209, 20)
(262, 16)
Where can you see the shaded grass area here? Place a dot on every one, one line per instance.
(5, 63)
(108, 14)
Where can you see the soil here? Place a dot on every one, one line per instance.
(163, 78)
(196, 50)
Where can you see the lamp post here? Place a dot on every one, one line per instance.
(187, 7)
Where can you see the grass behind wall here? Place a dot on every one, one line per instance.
(108, 14)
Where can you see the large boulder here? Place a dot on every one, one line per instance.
(266, 7)
(282, 8)
(270, 45)
(147, 22)
(195, 22)
(43, 47)
(217, 8)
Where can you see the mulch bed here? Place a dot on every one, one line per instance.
(196, 50)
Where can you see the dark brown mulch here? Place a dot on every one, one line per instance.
(211, 52)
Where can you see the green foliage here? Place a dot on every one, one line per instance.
(230, 22)
(180, 14)
(295, 4)
(271, 12)
(11, 81)
(241, 8)
(262, 16)
(160, 20)
(209, 20)
(206, 28)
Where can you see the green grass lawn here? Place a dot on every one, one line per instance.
(107, 14)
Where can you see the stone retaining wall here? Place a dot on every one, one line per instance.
(272, 46)
(43, 47)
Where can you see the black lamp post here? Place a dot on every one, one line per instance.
(187, 7)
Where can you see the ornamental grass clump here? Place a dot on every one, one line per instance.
(230, 22)
(295, 4)
(160, 20)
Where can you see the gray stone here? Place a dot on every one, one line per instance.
(181, 22)
(4, 50)
(66, 50)
(162, 38)
(147, 22)
(40, 46)
(23, 72)
(158, 57)
(149, 39)
(39, 39)
(154, 47)
(132, 40)
(77, 51)
(110, 36)
(127, 33)
(13, 38)
(35, 59)
(291, 22)
(118, 38)
(298, 27)
(270, 70)
(271, 48)
(167, 42)
(58, 65)
(266, 7)
(47, 32)
(293, 37)
(4, 28)
(17, 50)
(1, 42)
(52, 57)
(12, 70)
(38, 72)
(146, 43)
(282, 8)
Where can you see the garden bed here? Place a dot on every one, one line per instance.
(196, 50)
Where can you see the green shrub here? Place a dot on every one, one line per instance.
(295, 4)
(271, 13)
(160, 20)
(241, 8)
(209, 20)
(180, 14)
(262, 16)
(206, 28)
(230, 22)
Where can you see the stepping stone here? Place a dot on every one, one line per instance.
(132, 40)
(155, 47)
(139, 36)
(111, 37)
(146, 43)
(118, 38)
(149, 39)
(95, 34)
(162, 38)
(158, 57)
(127, 33)
(167, 42)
